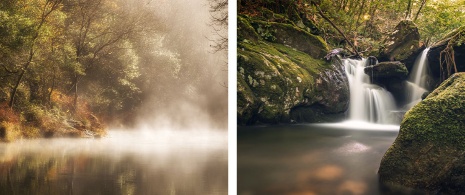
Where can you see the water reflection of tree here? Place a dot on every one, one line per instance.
(34, 173)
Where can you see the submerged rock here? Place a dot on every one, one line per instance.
(429, 152)
(387, 70)
(401, 43)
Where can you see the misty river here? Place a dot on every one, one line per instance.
(124, 162)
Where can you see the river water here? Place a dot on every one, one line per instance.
(124, 162)
(314, 159)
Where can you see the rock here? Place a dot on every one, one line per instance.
(429, 152)
(301, 40)
(333, 95)
(286, 80)
(247, 31)
(292, 36)
(387, 70)
(401, 43)
(334, 53)
(456, 38)
(372, 60)
(424, 95)
(79, 125)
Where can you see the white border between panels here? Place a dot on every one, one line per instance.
(232, 97)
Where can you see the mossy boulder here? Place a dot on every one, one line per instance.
(394, 69)
(300, 39)
(247, 31)
(292, 36)
(401, 43)
(456, 40)
(429, 152)
(275, 79)
(279, 82)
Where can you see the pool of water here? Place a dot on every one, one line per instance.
(314, 159)
(125, 162)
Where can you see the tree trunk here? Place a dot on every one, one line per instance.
(49, 99)
(419, 10)
(359, 14)
(54, 5)
(75, 93)
(20, 78)
(409, 10)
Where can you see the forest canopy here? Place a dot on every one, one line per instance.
(79, 60)
(367, 22)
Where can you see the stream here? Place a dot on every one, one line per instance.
(314, 159)
(124, 162)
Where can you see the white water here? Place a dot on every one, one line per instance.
(416, 84)
(368, 102)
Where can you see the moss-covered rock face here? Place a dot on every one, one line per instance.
(456, 39)
(429, 152)
(282, 78)
(394, 69)
(247, 31)
(402, 43)
(292, 36)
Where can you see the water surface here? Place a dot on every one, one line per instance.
(125, 162)
(314, 159)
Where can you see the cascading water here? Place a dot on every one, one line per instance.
(417, 82)
(368, 102)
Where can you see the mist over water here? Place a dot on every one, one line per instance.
(187, 89)
(179, 142)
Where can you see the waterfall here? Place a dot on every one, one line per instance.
(368, 102)
(417, 82)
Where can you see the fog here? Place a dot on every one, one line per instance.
(184, 78)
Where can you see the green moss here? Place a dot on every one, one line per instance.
(302, 59)
(279, 70)
(245, 31)
(431, 137)
(291, 35)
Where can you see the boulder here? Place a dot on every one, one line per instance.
(401, 43)
(292, 36)
(284, 79)
(332, 97)
(393, 69)
(456, 38)
(429, 152)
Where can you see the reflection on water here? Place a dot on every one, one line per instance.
(123, 163)
(318, 159)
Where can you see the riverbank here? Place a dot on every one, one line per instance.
(59, 119)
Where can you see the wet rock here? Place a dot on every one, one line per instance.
(394, 69)
(401, 43)
(332, 94)
(371, 61)
(429, 152)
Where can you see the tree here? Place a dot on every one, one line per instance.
(45, 10)
(219, 18)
